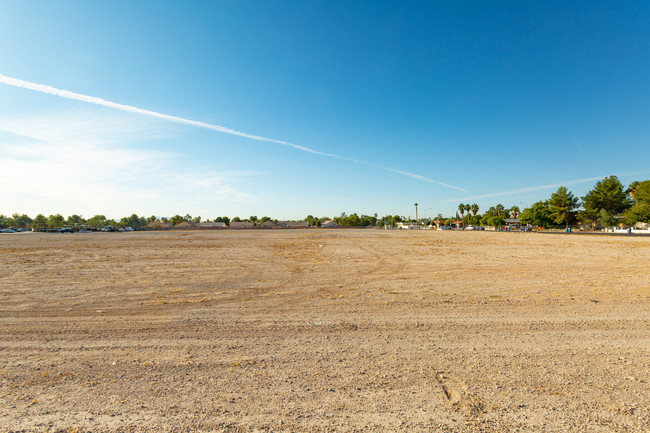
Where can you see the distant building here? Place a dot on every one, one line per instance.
(410, 226)
(328, 224)
(185, 225)
(242, 225)
(268, 225)
(513, 222)
(295, 224)
(215, 225)
(157, 225)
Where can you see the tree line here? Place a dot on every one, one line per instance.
(606, 204)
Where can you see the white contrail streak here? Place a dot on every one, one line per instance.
(128, 108)
(542, 187)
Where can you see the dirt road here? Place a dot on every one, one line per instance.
(317, 330)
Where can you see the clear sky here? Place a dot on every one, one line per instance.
(367, 106)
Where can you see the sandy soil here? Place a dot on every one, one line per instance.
(341, 330)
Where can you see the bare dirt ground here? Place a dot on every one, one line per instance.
(316, 330)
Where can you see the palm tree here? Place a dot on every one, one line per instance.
(461, 209)
(515, 211)
(416, 212)
(467, 209)
(499, 208)
(474, 209)
(632, 190)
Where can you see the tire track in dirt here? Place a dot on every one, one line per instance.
(459, 397)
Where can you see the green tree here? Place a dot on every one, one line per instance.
(641, 211)
(75, 220)
(341, 219)
(55, 221)
(606, 219)
(133, 221)
(5, 222)
(176, 219)
(474, 220)
(475, 209)
(588, 217)
(495, 221)
(21, 221)
(562, 205)
(40, 222)
(468, 208)
(97, 221)
(638, 214)
(642, 193)
(368, 220)
(607, 194)
(311, 220)
(491, 212)
(236, 219)
(353, 220)
(223, 219)
(537, 215)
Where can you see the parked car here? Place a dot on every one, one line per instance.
(446, 228)
(128, 229)
(470, 228)
(526, 229)
(65, 230)
(7, 231)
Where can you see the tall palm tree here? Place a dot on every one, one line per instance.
(416, 212)
(467, 209)
(499, 208)
(515, 211)
(474, 209)
(461, 209)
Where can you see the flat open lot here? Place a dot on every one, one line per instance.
(317, 330)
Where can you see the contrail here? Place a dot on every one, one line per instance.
(128, 108)
(581, 151)
(542, 187)
(529, 189)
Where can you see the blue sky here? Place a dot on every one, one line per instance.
(382, 104)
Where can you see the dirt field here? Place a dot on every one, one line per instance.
(340, 330)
